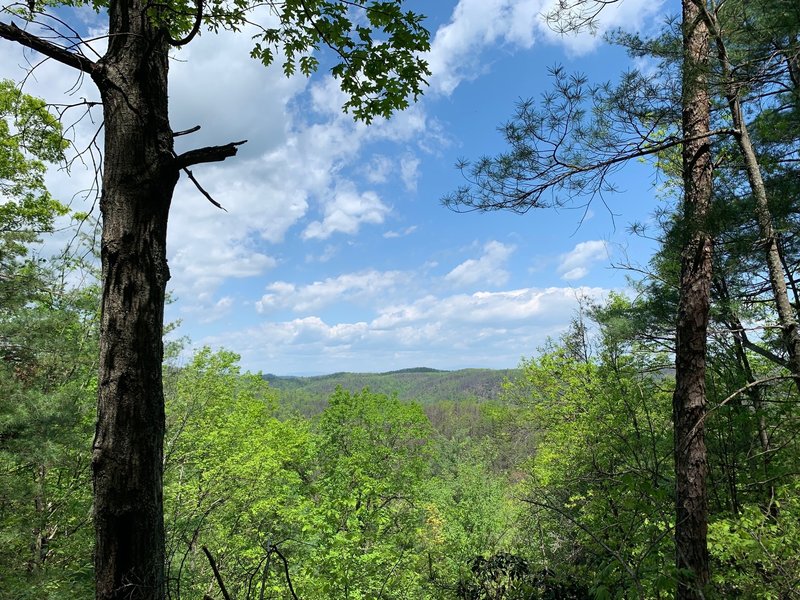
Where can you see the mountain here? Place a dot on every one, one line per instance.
(422, 384)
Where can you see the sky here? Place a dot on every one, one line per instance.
(335, 253)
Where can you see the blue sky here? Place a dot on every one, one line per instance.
(335, 253)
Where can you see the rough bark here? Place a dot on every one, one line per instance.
(689, 399)
(139, 176)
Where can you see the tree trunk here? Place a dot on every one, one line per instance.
(689, 399)
(769, 238)
(139, 176)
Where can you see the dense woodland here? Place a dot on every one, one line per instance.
(559, 483)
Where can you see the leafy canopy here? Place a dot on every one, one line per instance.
(29, 137)
(378, 46)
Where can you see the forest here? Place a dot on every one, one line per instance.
(649, 451)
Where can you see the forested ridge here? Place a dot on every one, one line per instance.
(422, 384)
(648, 451)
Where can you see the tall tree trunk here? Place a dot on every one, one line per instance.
(139, 177)
(769, 238)
(689, 399)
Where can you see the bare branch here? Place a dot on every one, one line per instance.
(202, 190)
(207, 154)
(11, 32)
(218, 577)
(186, 131)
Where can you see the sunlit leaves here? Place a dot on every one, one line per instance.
(377, 49)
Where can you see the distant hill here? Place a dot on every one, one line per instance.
(422, 384)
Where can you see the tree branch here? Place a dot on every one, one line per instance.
(186, 131)
(11, 32)
(198, 20)
(202, 190)
(771, 356)
(513, 192)
(214, 568)
(286, 570)
(207, 154)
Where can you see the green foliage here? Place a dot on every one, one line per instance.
(757, 554)
(373, 457)
(470, 512)
(379, 49)
(233, 473)
(364, 501)
(48, 345)
(29, 137)
(599, 488)
(377, 45)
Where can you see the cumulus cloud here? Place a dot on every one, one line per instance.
(488, 269)
(350, 286)
(630, 15)
(486, 308)
(327, 254)
(379, 168)
(346, 212)
(289, 174)
(575, 263)
(206, 309)
(461, 330)
(475, 25)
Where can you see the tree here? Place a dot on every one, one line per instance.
(599, 489)
(373, 455)
(554, 150)
(380, 70)
(233, 479)
(689, 400)
(30, 137)
(47, 388)
(48, 346)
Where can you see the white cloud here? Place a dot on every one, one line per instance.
(327, 254)
(475, 25)
(207, 309)
(575, 263)
(482, 329)
(628, 15)
(289, 169)
(350, 286)
(409, 172)
(215, 84)
(297, 177)
(379, 168)
(488, 269)
(348, 210)
(402, 233)
(486, 308)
